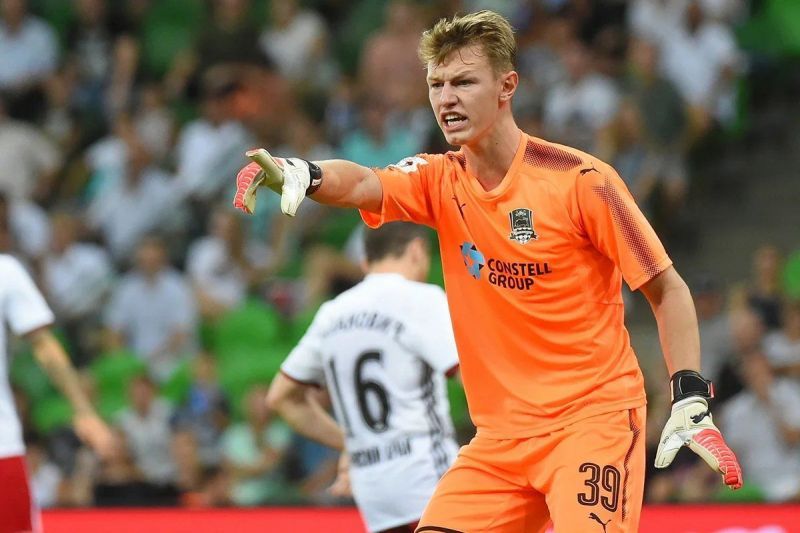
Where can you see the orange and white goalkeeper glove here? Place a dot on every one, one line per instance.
(691, 425)
(293, 178)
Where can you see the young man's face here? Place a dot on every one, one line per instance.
(466, 94)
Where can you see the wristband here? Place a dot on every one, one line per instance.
(686, 383)
(316, 177)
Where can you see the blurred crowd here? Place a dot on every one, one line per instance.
(750, 335)
(122, 125)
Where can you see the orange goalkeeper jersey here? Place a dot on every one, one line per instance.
(533, 272)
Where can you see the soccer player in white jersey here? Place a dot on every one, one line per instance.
(25, 311)
(383, 350)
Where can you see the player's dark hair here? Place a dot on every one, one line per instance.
(391, 240)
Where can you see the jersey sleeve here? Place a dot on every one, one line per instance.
(617, 227)
(411, 191)
(25, 307)
(437, 344)
(304, 363)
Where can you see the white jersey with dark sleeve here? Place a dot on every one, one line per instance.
(382, 349)
(22, 309)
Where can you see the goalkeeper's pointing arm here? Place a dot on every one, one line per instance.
(334, 182)
(690, 423)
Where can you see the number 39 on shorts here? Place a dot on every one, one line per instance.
(602, 486)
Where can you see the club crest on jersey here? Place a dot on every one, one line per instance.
(522, 225)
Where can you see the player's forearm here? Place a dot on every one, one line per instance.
(54, 361)
(348, 184)
(313, 422)
(677, 323)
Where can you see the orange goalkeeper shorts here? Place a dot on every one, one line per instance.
(587, 478)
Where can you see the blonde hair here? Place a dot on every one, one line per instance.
(488, 29)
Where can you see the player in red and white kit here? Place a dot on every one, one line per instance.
(24, 310)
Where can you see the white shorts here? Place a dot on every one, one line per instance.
(392, 482)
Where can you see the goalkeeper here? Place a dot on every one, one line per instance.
(536, 239)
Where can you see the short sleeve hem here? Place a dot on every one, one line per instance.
(309, 382)
(661, 266)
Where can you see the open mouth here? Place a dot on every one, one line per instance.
(453, 119)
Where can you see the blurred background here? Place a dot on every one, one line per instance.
(122, 126)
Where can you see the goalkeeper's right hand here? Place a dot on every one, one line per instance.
(292, 178)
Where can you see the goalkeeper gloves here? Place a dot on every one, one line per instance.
(292, 178)
(691, 425)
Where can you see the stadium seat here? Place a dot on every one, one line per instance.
(252, 326)
(111, 372)
(243, 368)
(50, 413)
(791, 276)
(26, 374)
(458, 402)
(774, 30)
(58, 13)
(169, 28)
(177, 386)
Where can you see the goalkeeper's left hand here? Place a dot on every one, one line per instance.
(691, 425)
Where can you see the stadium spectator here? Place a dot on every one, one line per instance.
(102, 59)
(762, 424)
(654, 20)
(703, 61)
(229, 36)
(715, 326)
(146, 426)
(254, 451)
(140, 201)
(782, 347)
(117, 481)
(27, 226)
(647, 140)
(205, 411)
(374, 143)
(28, 55)
(764, 290)
(76, 277)
(540, 59)
(224, 265)
(296, 41)
(577, 108)
(389, 64)
(153, 312)
(28, 159)
(205, 145)
(154, 123)
(48, 485)
(747, 335)
(188, 466)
